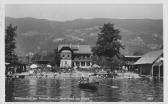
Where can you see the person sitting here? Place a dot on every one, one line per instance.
(82, 76)
(90, 79)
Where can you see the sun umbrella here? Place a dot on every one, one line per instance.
(49, 66)
(33, 66)
(96, 66)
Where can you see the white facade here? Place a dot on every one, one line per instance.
(66, 63)
(84, 64)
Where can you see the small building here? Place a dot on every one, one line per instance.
(75, 56)
(15, 67)
(151, 64)
(130, 60)
(42, 64)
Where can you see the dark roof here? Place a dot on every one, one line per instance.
(65, 48)
(41, 61)
(78, 49)
(150, 57)
(73, 47)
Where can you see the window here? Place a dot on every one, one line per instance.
(82, 63)
(88, 63)
(77, 63)
(65, 62)
(63, 55)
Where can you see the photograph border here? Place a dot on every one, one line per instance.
(2, 32)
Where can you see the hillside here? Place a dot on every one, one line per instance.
(34, 35)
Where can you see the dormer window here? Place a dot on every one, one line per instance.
(62, 55)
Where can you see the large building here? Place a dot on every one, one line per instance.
(75, 56)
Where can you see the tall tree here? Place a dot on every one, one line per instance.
(10, 44)
(109, 42)
(57, 57)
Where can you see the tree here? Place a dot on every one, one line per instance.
(10, 44)
(57, 57)
(108, 43)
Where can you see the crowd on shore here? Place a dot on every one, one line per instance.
(77, 73)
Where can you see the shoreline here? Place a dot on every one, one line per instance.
(52, 75)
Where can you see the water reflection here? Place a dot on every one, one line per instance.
(135, 90)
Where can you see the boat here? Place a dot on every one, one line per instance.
(92, 86)
(88, 83)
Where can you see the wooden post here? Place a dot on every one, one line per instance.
(85, 64)
(80, 64)
(140, 70)
(159, 71)
(74, 64)
(152, 71)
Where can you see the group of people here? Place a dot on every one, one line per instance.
(89, 79)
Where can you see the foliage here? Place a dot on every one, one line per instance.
(10, 44)
(99, 60)
(109, 41)
(37, 56)
(53, 57)
(108, 44)
(56, 58)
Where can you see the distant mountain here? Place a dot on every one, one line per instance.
(34, 35)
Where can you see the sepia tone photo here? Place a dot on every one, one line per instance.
(84, 53)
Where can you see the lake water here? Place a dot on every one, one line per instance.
(67, 90)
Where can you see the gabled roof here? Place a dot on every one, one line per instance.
(78, 49)
(63, 45)
(83, 49)
(150, 57)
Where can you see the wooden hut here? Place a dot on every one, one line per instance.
(130, 60)
(15, 67)
(151, 64)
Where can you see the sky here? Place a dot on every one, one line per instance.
(64, 12)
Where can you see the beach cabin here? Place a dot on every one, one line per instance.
(151, 64)
(130, 60)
